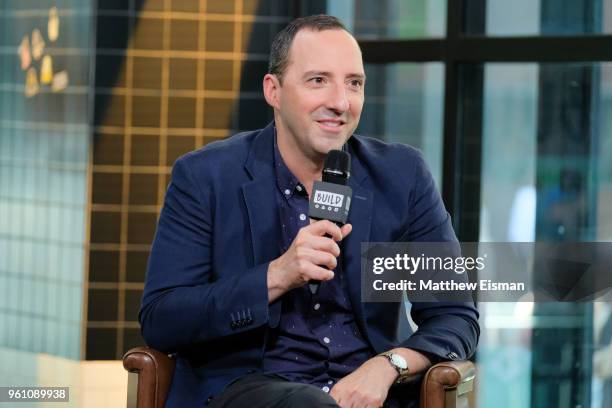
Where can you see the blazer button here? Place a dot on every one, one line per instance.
(209, 400)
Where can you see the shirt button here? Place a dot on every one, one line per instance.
(298, 187)
(302, 217)
(330, 382)
(287, 192)
(317, 306)
(326, 388)
(326, 340)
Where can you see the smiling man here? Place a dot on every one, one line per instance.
(317, 93)
(226, 285)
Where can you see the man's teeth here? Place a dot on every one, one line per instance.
(332, 124)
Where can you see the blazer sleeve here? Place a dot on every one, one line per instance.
(446, 330)
(182, 302)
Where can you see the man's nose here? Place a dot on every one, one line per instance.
(338, 99)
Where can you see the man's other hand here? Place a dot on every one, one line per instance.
(310, 253)
(367, 386)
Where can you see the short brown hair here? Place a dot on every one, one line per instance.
(279, 52)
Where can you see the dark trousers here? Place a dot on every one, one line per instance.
(272, 391)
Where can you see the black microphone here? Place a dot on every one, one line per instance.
(331, 198)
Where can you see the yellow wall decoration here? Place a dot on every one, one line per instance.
(38, 44)
(53, 25)
(31, 85)
(46, 70)
(32, 49)
(24, 53)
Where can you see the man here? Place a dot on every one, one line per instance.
(226, 286)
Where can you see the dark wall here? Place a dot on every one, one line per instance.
(170, 77)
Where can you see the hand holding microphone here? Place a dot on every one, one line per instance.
(313, 253)
(311, 256)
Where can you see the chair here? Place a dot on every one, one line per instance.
(445, 385)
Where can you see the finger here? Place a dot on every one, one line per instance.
(309, 255)
(315, 272)
(349, 402)
(346, 229)
(337, 393)
(316, 257)
(356, 400)
(323, 227)
(321, 258)
(327, 245)
(335, 396)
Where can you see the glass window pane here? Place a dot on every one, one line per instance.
(392, 18)
(404, 104)
(548, 17)
(509, 126)
(546, 176)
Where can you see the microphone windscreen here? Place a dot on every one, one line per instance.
(337, 167)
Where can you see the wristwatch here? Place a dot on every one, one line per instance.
(399, 363)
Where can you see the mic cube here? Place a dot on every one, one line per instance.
(330, 201)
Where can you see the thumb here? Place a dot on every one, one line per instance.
(346, 229)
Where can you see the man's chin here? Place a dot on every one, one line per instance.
(324, 150)
(331, 142)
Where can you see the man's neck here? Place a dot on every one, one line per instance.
(304, 168)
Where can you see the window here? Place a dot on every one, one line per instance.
(524, 115)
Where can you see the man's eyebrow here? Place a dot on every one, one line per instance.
(316, 73)
(357, 75)
(328, 74)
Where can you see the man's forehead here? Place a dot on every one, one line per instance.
(331, 38)
(325, 50)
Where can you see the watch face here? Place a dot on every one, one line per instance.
(399, 361)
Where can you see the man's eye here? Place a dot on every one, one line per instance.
(356, 83)
(317, 80)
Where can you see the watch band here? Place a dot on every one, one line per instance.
(403, 373)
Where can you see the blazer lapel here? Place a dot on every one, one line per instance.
(260, 199)
(360, 217)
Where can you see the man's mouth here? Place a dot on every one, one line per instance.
(331, 123)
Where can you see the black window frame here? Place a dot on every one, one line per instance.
(461, 172)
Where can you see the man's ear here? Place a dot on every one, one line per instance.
(271, 87)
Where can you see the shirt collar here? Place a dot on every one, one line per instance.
(285, 180)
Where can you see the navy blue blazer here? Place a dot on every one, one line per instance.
(206, 296)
